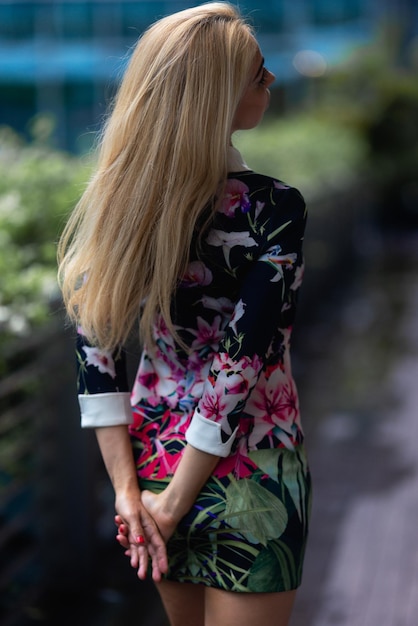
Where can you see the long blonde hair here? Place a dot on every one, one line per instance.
(162, 158)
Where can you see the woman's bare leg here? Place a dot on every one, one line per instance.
(226, 608)
(184, 603)
(196, 605)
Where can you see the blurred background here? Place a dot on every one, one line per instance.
(342, 127)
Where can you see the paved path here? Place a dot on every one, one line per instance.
(359, 394)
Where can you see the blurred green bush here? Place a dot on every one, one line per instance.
(309, 150)
(358, 119)
(375, 93)
(38, 187)
(359, 124)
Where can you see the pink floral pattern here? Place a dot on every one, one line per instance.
(235, 197)
(238, 372)
(197, 274)
(101, 359)
(234, 309)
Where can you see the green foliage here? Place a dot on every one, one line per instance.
(313, 152)
(376, 93)
(361, 119)
(38, 188)
(40, 185)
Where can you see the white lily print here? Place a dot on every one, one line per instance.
(230, 240)
(223, 305)
(238, 313)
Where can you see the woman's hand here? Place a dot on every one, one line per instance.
(139, 535)
(156, 505)
(163, 510)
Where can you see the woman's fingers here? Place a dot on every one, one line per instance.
(142, 541)
(122, 534)
(155, 544)
(130, 536)
(141, 562)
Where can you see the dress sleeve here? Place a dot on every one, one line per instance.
(103, 390)
(266, 302)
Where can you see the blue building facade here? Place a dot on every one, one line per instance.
(65, 57)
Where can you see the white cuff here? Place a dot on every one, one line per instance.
(105, 409)
(205, 435)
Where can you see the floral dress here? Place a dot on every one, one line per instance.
(231, 395)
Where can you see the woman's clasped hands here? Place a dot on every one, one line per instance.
(143, 528)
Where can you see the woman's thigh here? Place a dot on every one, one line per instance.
(184, 603)
(226, 608)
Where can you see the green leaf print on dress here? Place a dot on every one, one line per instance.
(254, 511)
(289, 468)
(273, 569)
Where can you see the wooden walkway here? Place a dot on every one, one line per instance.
(360, 408)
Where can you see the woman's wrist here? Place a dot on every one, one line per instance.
(126, 486)
(116, 450)
(190, 476)
(173, 505)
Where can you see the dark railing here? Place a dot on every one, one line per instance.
(59, 563)
(18, 473)
(46, 514)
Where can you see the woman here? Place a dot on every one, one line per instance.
(207, 446)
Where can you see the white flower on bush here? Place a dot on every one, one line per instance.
(14, 322)
(10, 209)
